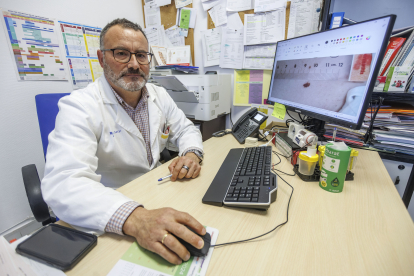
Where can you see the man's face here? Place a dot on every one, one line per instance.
(130, 76)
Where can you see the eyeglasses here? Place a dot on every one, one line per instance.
(124, 56)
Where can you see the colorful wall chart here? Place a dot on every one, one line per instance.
(81, 43)
(251, 87)
(34, 46)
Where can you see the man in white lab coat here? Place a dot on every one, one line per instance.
(112, 132)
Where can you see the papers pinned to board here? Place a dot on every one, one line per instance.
(152, 16)
(173, 34)
(179, 56)
(304, 17)
(268, 5)
(209, 4)
(268, 27)
(231, 53)
(251, 86)
(182, 3)
(160, 55)
(239, 5)
(218, 14)
(157, 3)
(211, 42)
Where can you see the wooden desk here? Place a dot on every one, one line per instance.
(365, 230)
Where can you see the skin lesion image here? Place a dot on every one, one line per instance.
(330, 83)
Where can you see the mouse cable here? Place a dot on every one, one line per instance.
(263, 137)
(283, 223)
(280, 160)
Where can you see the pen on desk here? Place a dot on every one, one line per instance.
(162, 178)
(334, 134)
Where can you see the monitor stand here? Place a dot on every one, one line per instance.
(316, 126)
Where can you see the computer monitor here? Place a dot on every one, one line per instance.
(330, 75)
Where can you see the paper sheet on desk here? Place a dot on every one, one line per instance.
(139, 261)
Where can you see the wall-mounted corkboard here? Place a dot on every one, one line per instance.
(210, 23)
(168, 19)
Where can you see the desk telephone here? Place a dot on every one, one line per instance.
(248, 124)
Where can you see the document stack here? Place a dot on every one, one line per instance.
(180, 68)
(394, 128)
(349, 136)
(397, 68)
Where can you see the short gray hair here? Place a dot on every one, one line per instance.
(124, 23)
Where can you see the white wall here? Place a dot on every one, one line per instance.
(20, 142)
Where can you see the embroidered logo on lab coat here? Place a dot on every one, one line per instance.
(114, 132)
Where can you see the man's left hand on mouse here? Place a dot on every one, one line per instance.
(155, 231)
(178, 167)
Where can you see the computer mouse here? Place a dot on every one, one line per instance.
(195, 251)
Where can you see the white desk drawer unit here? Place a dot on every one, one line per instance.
(400, 173)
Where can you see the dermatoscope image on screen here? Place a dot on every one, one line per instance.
(332, 83)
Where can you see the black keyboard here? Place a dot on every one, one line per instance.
(244, 180)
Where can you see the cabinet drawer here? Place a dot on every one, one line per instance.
(401, 170)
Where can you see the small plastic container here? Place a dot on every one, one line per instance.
(353, 159)
(321, 150)
(307, 163)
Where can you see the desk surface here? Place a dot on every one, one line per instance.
(365, 230)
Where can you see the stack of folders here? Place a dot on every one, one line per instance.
(181, 68)
(397, 67)
(349, 136)
(394, 129)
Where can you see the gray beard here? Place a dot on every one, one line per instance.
(135, 85)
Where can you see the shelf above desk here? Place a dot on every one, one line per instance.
(390, 96)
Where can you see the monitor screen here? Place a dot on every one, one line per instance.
(330, 75)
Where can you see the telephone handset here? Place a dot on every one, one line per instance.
(248, 124)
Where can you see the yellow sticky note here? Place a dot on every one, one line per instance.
(242, 75)
(279, 111)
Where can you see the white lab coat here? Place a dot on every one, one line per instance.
(96, 147)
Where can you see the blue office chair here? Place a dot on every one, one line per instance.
(47, 110)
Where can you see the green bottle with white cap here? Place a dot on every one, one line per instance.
(334, 167)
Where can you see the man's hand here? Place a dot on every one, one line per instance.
(150, 226)
(191, 161)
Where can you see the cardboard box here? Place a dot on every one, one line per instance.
(281, 126)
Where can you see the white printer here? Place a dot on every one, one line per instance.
(200, 97)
